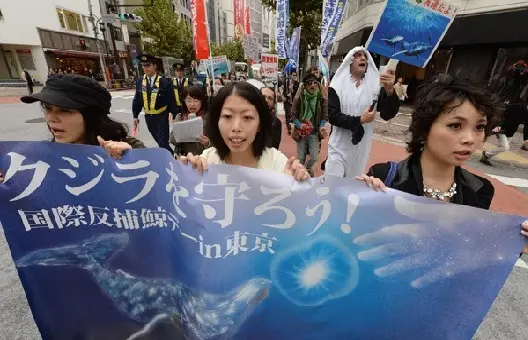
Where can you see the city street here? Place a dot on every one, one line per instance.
(507, 318)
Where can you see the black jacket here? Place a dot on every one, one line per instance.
(165, 96)
(388, 107)
(472, 190)
(274, 139)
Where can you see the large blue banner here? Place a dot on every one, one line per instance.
(146, 248)
(332, 14)
(411, 30)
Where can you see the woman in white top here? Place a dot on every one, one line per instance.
(238, 126)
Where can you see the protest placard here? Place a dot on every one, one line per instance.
(411, 30)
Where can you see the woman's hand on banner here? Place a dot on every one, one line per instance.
(373, 182)
(198, 162)
(296, 169)
(115, 149)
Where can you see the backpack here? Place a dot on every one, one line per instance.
(391, 175)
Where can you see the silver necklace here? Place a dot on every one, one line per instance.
(440, 195)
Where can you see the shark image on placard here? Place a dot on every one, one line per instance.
(392, 41)
(149, 301)
(414, 48)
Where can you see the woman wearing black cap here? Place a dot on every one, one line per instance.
(76, 109)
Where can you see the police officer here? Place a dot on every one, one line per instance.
(155, 96)
(179, 83)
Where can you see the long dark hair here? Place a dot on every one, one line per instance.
(253, 96)
(97, 123)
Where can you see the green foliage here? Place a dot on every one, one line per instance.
(167, 35)
(309, 15)
(234, 50)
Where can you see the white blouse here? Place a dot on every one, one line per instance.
(271, 159)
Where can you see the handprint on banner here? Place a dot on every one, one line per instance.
(422, 245)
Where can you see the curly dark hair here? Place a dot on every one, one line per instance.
(253, 96)
(444, 94)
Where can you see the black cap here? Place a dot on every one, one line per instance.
(147, 58)
(72, 91)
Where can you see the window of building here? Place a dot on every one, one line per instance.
(117, 33)
(70, 20)
(60, 14)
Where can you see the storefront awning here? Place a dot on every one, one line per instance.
(488, 29)
(355, 39)
(78, 54)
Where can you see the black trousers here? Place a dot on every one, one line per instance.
(158, 126)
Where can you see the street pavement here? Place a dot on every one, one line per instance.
(508, 317)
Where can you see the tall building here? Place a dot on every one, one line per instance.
(269, 23)
(53, 34)
(255, 7)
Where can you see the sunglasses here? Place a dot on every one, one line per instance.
(311, 82)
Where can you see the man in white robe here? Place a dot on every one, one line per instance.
(356, 86)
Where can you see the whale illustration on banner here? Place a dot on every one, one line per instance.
(151, 300)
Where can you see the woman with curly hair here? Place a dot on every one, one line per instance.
(451, 120)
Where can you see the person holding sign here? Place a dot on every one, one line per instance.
(184, 136)
(451, 121)
(352, 98)
(238, 126)
(76, 110)
(155, 96)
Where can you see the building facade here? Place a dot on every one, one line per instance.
(269, 23)
(483, 42)
(56, 34)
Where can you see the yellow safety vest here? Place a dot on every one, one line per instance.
(153, 97)
(176, 92)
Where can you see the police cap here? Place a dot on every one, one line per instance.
(178, 65)
(147, 58)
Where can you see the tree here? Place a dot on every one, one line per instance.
(309, 15)
(234, 50)
(167, 34)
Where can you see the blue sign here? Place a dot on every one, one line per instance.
(147, 247)
(332, 15)
(294, 45)
(411, 30)
(283, 20)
